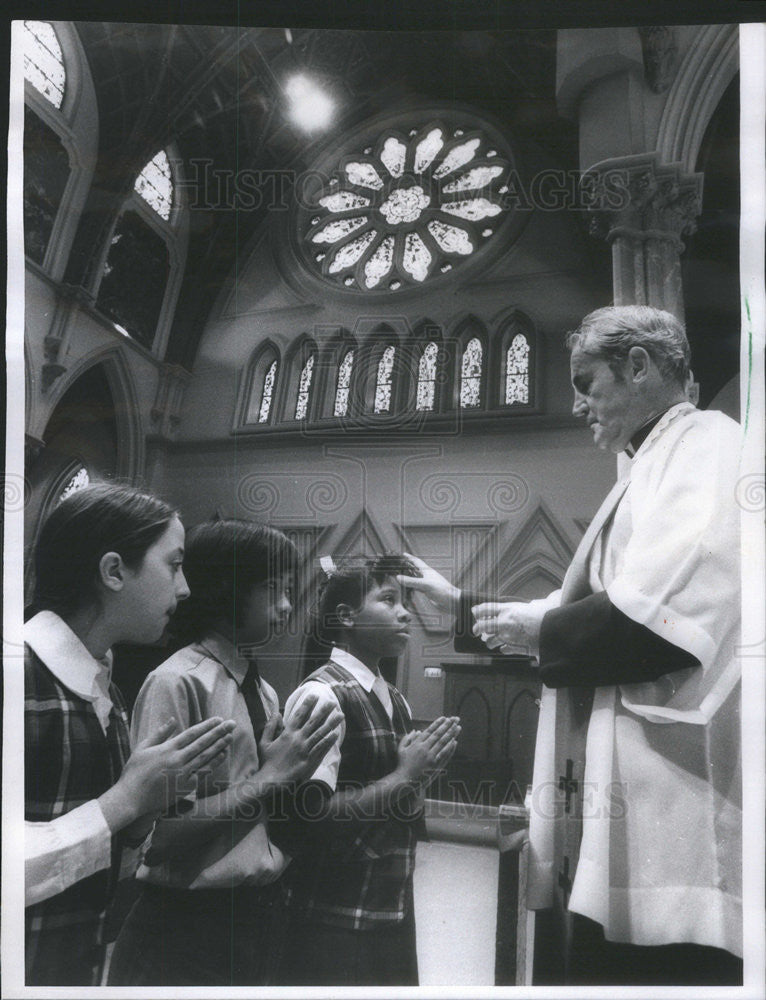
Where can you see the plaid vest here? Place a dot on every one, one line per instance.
(68, 760)
(360, 874)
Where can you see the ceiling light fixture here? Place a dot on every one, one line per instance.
(311, 108)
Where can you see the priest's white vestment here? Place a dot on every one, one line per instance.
(660, 855)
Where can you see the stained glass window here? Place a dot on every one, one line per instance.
(304, 388)
(78, 481)
(46, 172)
(268, 392)
(344, 384)
(470, 376)
(426, 394)
(43, 61)
(517, 371)
(155, 185)
(384, 379)
(410, 211)
(136, 271)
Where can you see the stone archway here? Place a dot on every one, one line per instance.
(82, 432)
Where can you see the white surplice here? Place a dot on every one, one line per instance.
(660, 858)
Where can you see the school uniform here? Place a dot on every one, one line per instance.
(352, 905)
(208, 915)
(76, 744)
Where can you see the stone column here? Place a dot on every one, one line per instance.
(643, 207)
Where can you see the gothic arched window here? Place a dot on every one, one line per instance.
(135, 277)
(471, 374)
(44, 61)
(517, 371)
(155, 185)
(78, 481)
(304, 388)
(267, 393)
(426, 391)
(59, 142)
(259, 386)
(143, 264)
(384, 381)
(345, 368)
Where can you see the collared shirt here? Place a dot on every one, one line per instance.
(327, 771)
(358, 875)
(67, 849)
(643, 433)
(197, 682)
(64, 654)
(69, 761)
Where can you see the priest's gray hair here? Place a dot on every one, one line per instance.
(611, 332)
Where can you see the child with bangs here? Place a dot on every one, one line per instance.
(212, 909)
(108, 569)
(352, 908)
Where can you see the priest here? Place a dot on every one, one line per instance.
(635, 826)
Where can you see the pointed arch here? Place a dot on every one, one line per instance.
(475, 713)
(707, 69)
(300, 380)
(516, 360)
(384, 380)
(536, 559)
(60, 146)
(138, 276)
(259, 386)
(343, 382)
(92, 421)
(427, 368)
(127, 408)
(470, 357)
(381, 367)
(335, 377)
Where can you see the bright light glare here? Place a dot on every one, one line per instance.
(311, 108)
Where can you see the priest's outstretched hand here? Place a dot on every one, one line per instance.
(512, 627)
(432, 584)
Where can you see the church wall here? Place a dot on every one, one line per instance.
(80, 337)
(461, 492)
(445, 498)
(621, 85)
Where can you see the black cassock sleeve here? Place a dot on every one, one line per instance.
(591, 642)
(465, 641)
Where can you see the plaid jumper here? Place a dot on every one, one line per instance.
(360, 875)
(68, 760)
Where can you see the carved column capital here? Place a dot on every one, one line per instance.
(643, 198)
(643, 208)
(660, 50)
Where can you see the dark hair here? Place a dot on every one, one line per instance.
(100, 518)
(350, 583)
(223, 561)
(612, 331)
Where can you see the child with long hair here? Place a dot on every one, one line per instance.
(352, 908)
(108, 569)
(211, 912)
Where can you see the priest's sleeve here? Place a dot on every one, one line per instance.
(591, 642)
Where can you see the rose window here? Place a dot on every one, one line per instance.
(410, 208)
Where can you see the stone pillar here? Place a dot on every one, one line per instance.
(643, 207)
